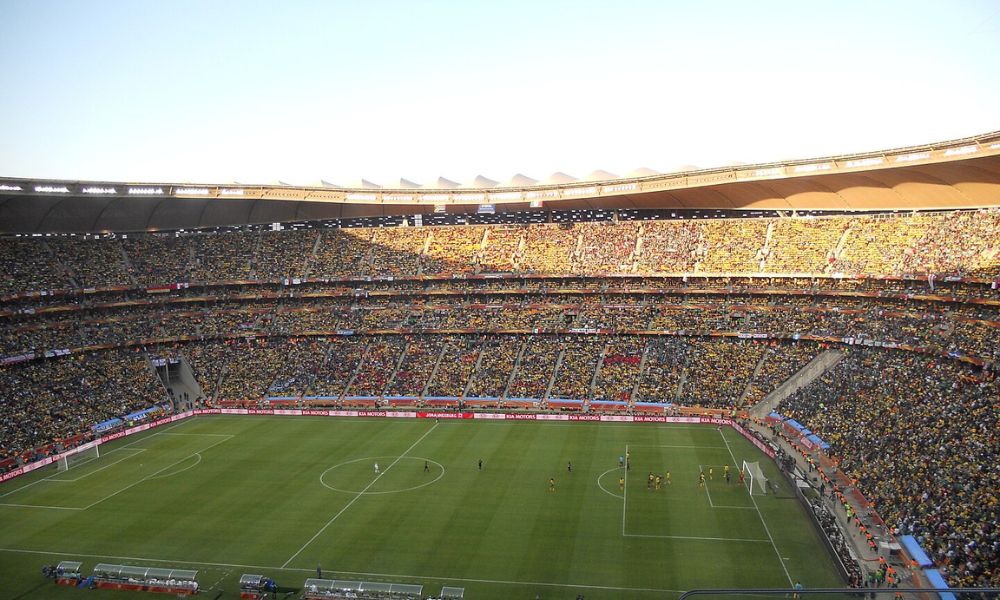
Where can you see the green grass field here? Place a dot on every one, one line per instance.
(278, 496)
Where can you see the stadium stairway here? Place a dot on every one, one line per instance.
(806, 375)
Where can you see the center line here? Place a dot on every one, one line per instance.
(361, 493)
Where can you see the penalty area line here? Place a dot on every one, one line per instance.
(759, 514)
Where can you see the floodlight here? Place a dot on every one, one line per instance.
(913, 156)
(864, 162)
(961, 150)
(812, 168)
(362, 197)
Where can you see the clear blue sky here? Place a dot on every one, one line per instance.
(259, 91)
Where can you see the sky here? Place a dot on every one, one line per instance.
(261, 91)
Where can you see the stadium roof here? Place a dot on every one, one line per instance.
(961, 173)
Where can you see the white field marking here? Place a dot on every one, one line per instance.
(201, 434)
(360, 494)
(41, 506)
(605, 490)
(351, 573)
(705, 485)
(677, 446)
(759, 514)
(142, 438)
(696, 537)
(154, 474)
(225, 574)
(625, 491)
(51, 477)
(26, 486)
(196, 463)
(374, 459)
(137, 451)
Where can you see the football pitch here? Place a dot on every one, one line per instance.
(283, 496)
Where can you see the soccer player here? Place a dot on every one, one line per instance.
(711, 473)
(701, 479)
(621, 461)
(649, 481)
(569, 466)
(621, 483)
(798, 591)
(552, 484)
(376, 468)
(729, 477)
(657, 482)
(667, 477)
(725, 471)
(480, 464)
(426, 467)
(743, 476)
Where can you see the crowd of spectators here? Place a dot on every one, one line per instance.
(376, 368)
(619, 369)
(666, 360)
(342, 359)
(801, 242)
(781, 361)
(92, 262)
(499, 354)
(413, 373)
(283, 254)
(919, 436)
(28, 265)
(46, 402)
(668, 246)
(223, 256)
(452, 250)
(342, 253)
(457, 364)
(607, 247)
(575, 372)
(534, 369)
(959, 242)
(719, 371)
(158, 259)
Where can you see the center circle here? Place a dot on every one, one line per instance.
(361, 470)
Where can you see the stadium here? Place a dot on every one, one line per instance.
(772, 379)
(547, 341)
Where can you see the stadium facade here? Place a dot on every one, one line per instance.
(954, 174)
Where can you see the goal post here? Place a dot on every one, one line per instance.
(756, 481)
(77, 457)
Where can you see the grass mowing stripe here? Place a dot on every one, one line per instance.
(154, 474)
(781, 561)
(138, 451)
(361, 493)
(625, 489)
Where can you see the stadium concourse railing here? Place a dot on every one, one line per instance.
(403, 414)
(930, 279)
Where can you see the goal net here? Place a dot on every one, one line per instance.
(755, 478)
(79, 457)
